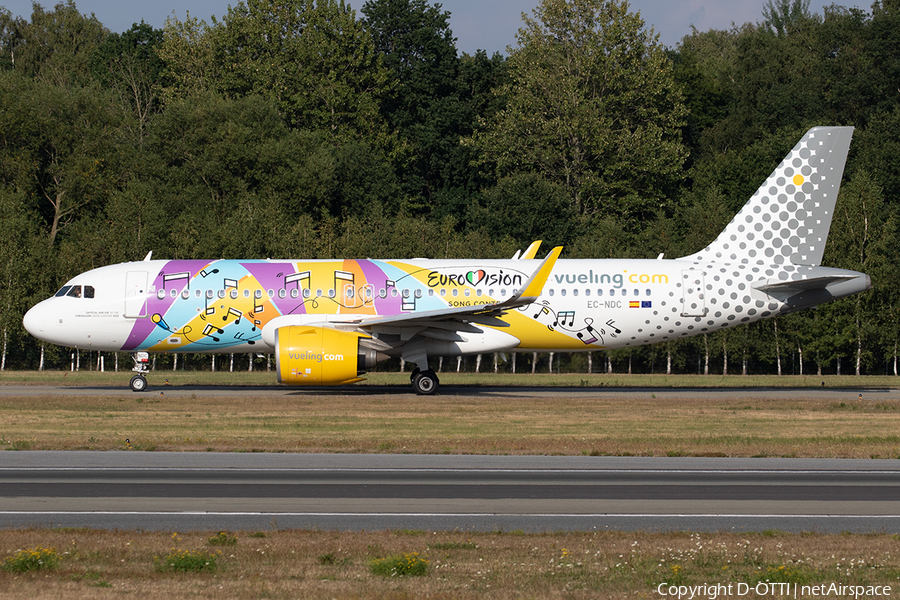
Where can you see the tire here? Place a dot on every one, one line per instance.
(138, 384)
(425, 383)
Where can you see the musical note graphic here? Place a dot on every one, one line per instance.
(234, 313)
(204, 273)
(562, 316)
(208, 331)
(240, 336)
(544, 310)
(612, 325)
(593, 333)
(344, 281)
(297, 278)
(230, 283)
(177, 277)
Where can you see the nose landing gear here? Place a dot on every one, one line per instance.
(141, 367)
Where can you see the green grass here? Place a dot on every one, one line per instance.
(157, 379)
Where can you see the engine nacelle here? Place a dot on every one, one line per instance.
(307, 355)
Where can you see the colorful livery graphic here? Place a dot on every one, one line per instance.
(327, 321)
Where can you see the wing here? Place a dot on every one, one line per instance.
(481, 313)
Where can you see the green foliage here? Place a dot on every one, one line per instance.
(593, 105)
(187, 561)
(408, 564)
(311, 57)
(223, 538)
(300, 130)
(34, 559)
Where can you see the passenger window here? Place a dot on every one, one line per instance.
(185, 294)
(562, 292)
(551, 291)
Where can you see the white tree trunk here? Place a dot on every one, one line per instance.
(725, 356)
(705, 355)
(777, 349)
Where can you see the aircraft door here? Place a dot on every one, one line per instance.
(136, 294)
(693, 299)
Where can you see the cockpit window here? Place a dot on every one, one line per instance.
(75, 291)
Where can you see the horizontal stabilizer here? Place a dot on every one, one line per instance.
(784, 289)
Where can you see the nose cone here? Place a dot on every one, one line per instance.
(34, 320)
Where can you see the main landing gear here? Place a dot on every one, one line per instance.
(425, 382)
(141, 367)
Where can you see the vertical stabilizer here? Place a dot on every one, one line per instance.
(788, 218)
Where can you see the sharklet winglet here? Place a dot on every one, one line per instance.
(535, 284)
(531, 251)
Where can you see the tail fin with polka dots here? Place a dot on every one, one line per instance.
(788, 218)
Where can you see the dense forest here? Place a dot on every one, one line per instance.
(301, 129)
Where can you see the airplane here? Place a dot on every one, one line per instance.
(328, 321)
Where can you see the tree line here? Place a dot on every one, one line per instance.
(301, 129)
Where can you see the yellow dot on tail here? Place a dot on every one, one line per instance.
(798, 180)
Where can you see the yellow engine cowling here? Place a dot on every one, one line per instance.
(306, 355)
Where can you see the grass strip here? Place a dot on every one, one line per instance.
(95, 565)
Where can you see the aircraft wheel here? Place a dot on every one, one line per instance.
(414, 374)
(425, 383)
(138, 383)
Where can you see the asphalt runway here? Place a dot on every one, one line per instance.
(211, 491)
(713, 393)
